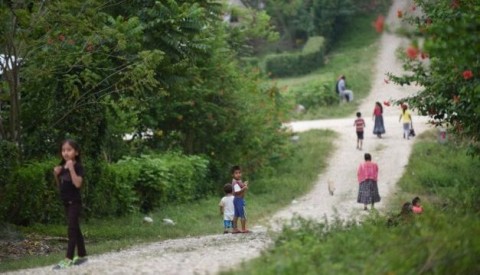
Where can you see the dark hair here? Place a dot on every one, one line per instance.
(415, 200)
(75, 146)
(235, 168)
(359, 114)
(404, 107)
(227, 188)
(367, 156)
(406, 208)
(379, 105)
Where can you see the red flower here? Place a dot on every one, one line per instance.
(399, 14)
(467, 74)
(412, 52)
(379, 23)
(386, 103)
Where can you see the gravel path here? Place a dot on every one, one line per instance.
(210, 254)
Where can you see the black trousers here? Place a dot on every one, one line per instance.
(75, 237)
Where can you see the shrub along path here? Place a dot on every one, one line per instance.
(210, 254)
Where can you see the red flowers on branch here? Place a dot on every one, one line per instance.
(412, 52)
(467, 74)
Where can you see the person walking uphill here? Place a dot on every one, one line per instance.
(378, 128)
(359, 124)
(367, 175)
(69, 179)
(406, 119)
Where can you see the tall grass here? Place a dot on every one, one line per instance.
(442, 240)
(352, 55)
(273, 189)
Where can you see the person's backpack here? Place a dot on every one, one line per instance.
(336, 87)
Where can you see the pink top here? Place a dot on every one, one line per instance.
(377, 111)
(367, 170)
(417, 209)
(359, 123)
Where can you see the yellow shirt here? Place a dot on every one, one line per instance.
(406, 117)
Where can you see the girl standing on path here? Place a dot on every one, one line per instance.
(406, 119)
(378, 128)
(69, 179)
(367, 175)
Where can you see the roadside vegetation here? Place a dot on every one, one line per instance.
(270, 190)
(441, 240)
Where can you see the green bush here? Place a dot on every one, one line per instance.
(31, 196)
(250, 61)
(114, 194)
(130, 185)
(8, 163)
(315, 94)
(158, 180)
(292, 64)
(8, 160)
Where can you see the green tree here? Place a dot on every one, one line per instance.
(444, 60)
(76, 61)
(297, 20)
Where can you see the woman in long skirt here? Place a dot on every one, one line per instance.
(378, 128)
(367, 178)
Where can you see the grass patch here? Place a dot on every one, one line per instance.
(354, 56)
(442, 240)
(274, 189)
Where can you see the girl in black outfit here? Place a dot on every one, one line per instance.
(69, 179)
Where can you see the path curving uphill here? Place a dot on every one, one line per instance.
(210, 254)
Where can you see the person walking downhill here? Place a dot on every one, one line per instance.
(406, 119)
(69, 178)
(378, 128)
(367, 175)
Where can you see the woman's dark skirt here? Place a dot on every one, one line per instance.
(368, 192)
(379, 128)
